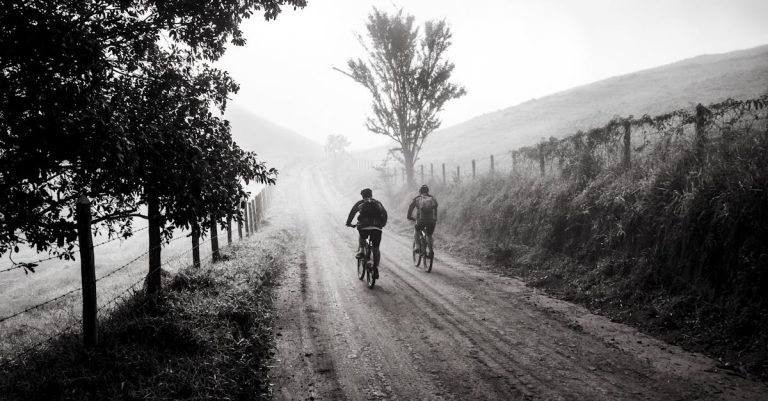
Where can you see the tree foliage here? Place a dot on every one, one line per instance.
(408, 75)
(336, 144)
(108, 99)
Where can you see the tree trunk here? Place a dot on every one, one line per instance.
(196, 245)
(153, 277)
(215, 255)
(409, 161)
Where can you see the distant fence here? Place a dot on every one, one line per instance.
(618, 145)
(253, 209)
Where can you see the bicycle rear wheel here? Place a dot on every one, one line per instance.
(369, 276)
(416, 254)
(429, 258)
(360, 269)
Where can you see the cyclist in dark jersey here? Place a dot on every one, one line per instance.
(372, 218)
(426, 216)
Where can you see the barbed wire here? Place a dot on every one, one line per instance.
(125, 265)
(26, 265)
(31, 308)
(39, 343)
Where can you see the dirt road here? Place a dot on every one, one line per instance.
(457, 333)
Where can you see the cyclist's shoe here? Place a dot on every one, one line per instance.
(375, 273)
(359, 255)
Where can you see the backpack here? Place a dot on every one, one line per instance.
(370, 211)
(427, 208)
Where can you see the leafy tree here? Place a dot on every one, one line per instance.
(69, 72)
(182, 162)
(408, 76)
(336, 144)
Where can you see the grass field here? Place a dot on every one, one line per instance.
(19, 291)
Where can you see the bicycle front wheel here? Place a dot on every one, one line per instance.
(360, 268)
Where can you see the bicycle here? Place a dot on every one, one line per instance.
(421, 253)
(365, 269)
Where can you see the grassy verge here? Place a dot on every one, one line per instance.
(209, 336)
(676, 246)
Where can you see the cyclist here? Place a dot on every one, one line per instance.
(426, 216)
(372, 218)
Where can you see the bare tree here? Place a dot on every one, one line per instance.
(408, 76)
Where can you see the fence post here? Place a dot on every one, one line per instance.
(458, 173)
(247, 218)
(422, 174)
(240, 224)
(514, 161)
(215, 255)
(541, 158)
(431, 172)
(701, 134)
(254, 225)
(196, 244)
(474, 171)
(492, 166)
(443, 173)
(627, 144)
(87, 272)
(229, 229)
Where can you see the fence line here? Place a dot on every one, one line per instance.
(619, 144)
(264, 197)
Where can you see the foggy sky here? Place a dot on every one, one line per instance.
(505, 51)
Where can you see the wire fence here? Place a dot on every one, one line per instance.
(254, 214)
(618, 145)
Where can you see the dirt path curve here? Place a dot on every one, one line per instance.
(457, 333)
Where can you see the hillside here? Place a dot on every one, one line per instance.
(703, 79)
(278, 146)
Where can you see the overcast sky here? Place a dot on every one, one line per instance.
(505, 51)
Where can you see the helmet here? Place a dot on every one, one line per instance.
(366, 193)
(424, 189)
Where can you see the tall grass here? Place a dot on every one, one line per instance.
(680, 238)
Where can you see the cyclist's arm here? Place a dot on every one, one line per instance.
(353, 212)
(410, 209)
(383, 215)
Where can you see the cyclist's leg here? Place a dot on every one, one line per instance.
(416, 235)
(375, 242)
(361, 243)
(430, 229)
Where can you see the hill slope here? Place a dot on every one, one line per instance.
(703, 79)
(277, 146)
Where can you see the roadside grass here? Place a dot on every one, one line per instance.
(208, 336)
(52, 278)
(676, 246)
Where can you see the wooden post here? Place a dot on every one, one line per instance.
(701, 134)
(458, 173)
(422, 174)
(474, 171)
(492, 166)
(196, 245)
(514, 161)
(87, 272)
(431, 172)
(215, 255)
(627, 145)
(154, 276)
(541, 158)
(247, 218)
(443, 173)
(240, 224)
(229, 229)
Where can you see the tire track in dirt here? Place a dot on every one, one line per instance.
(456, 333)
